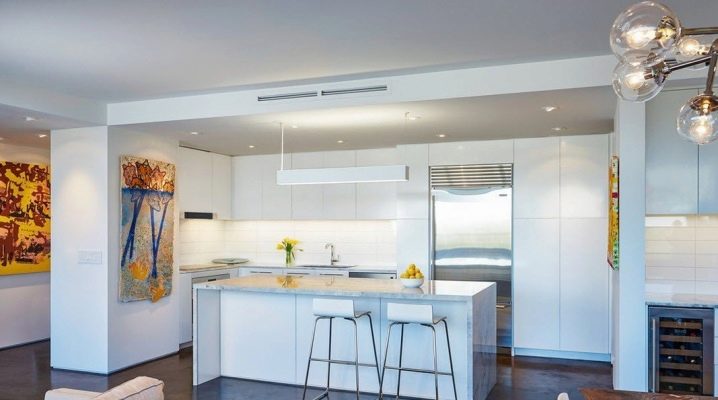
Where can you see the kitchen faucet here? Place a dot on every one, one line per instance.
(333, 258)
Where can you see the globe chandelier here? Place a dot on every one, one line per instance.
(650, 43)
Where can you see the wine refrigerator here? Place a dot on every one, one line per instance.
(681, 350)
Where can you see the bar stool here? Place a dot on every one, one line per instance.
(420, 314)
(344, 309)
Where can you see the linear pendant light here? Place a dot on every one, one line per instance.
(318, 176)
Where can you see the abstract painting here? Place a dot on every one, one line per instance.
(613, 214)
(24, 218)
(147, 222)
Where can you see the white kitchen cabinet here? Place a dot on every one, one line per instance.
(584, 175)
(412, 243)
(376, 200)
(222, 186)
(247, 187)
(536, 178)
(194, 180)
(671, 162)
(536, 303)
(185, 297)
(478, 152)
(708, 179)
(339, 199)
(584, 286)
(413, 195)
(276, 199)
(307, 200)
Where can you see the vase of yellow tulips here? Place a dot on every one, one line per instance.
(289, 246)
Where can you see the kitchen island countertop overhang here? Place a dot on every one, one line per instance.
(259, 328)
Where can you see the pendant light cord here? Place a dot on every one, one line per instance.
(281, 155)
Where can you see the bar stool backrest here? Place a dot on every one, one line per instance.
(340, 308)
(413, 313)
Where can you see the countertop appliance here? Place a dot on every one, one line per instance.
(680, 353)
(471, 224)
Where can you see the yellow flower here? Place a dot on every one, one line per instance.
(280, 246)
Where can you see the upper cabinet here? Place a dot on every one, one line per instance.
(194, 180)
(708, 179)
(376, 200)
(536, 178)
(672, 162)
(584, 176)
(222, 186)
(339, 199)
(481, 152)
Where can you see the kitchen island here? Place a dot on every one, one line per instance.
(260, 328)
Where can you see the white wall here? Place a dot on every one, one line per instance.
(682, 254)
(79, 319)
(24, 299)
(140, 330)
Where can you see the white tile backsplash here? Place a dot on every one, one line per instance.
(357, 242)
(682, 254)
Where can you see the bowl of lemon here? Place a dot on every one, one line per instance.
(412, 277)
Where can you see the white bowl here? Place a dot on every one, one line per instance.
(412, 283)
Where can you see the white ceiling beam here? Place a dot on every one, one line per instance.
(467, 82)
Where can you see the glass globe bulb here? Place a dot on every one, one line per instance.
(638, 82)
(698, 119)
(689, 47)
(644, 28)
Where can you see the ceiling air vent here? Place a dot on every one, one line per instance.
(368, 89)
(287, 96)
(472, 176)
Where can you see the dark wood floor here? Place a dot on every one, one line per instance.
(25, 374)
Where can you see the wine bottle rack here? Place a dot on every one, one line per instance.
(682, 351)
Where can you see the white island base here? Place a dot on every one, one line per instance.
(260, 328)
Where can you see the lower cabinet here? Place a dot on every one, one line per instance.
(561, 285)
(185, 293)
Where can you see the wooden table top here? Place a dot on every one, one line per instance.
(605, 394)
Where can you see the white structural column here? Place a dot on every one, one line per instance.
(630, 369)
(91, 330)
(79, 292)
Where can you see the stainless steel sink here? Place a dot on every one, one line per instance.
(336, 266)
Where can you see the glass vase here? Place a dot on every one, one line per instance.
(289, 259)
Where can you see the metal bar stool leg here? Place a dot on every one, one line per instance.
(451, 361)
(356, 354)
(309, 360)
(436, 367)
(401, 357)
(386, 355)
(329, 355)
(373, 343)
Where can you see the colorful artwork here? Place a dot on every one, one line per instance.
(147, 229)
(24, 218)
(613, 254)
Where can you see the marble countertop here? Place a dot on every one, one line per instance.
(350, 287)
(606, 394)
(682, 300)
(211, 267)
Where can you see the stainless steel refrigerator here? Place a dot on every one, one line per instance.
(471, 221)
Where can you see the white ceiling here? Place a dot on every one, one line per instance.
(582, 111)
(14, 129)
(126, 50)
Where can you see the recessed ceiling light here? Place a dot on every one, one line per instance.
(295, 126)
(558, 128)
(340, 141)
(441, 135)
(251, 146)
(414, 117)
(42, 135)
(29, 118)
(549, 108)
(194, 133)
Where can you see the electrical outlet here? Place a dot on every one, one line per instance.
(89, 257)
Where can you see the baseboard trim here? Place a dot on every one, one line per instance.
(569, 355)
(12, 346)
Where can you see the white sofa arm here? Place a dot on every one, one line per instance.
(70, 394)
